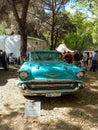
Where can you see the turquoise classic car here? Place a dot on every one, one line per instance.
(45, 73)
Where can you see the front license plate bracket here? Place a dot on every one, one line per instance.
(53, 94)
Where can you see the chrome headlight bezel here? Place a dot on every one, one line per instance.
(23, 75)
(80, 74)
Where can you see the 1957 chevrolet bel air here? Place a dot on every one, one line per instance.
(44, 73)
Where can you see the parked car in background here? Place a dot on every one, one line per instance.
(3, 60)
(45, 73)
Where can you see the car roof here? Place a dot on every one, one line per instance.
(44, 51)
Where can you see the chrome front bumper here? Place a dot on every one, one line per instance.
(34, 88)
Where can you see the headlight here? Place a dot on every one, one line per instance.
(80, 74)
(23, 74)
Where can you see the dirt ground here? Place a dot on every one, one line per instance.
(69, 112)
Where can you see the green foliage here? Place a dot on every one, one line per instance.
(1, 29)
(85, 17)
(95, 33)
(81, 39)
(47, 38)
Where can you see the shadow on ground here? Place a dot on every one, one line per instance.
(15, 120)
(5, 75)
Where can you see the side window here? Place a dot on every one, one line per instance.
(50, 57)
(59, 56)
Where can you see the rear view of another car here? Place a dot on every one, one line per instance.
(3, 60)
(46, 74)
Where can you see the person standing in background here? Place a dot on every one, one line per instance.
(76, 58)
(94, 61)
(85, 60)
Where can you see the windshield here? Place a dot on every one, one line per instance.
(46, 56)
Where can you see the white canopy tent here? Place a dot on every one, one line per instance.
(62, 47)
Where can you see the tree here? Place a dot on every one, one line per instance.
(91, 9)
(82, 38)
(53, 8)
(21, 21)
(58, 22)
(27, 19)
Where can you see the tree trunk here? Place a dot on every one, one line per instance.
(23, 48)
(21, 21)
(52, 37)
(52, 28)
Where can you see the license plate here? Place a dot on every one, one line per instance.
(53, 94)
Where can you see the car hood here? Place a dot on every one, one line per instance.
(51, 70)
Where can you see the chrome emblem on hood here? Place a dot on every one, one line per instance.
(52, 74)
